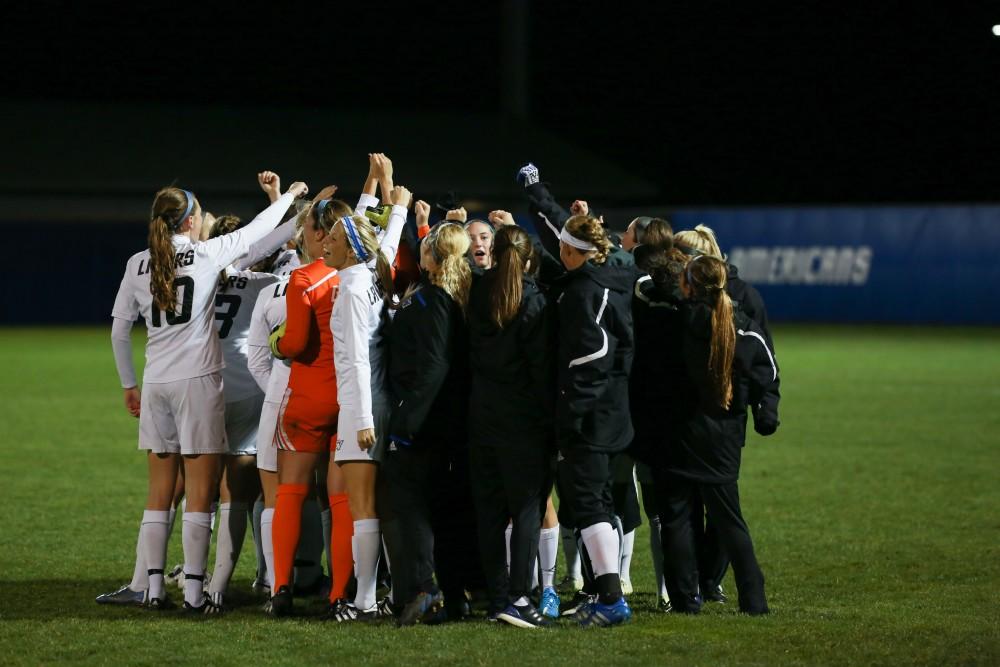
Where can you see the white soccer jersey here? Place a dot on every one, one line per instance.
(234, 302)
(270, 373)
(183, 344)
(354, 322)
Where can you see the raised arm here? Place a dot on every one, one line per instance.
(389, 244)
(227, 248)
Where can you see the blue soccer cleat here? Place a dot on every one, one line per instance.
(605, 615)
(549, 605)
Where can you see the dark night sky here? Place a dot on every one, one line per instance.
(716, 102)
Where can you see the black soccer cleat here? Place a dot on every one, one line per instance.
(281, 603)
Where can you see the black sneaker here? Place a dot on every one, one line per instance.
(343, 611)
(523, 616)
(281, 602)
(208, 607)
(579, 601)
(123, 596)
(425, 608)
(159, 604)
(714, 594)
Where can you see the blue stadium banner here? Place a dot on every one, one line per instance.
(913, 264)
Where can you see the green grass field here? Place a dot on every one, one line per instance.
(875, 511)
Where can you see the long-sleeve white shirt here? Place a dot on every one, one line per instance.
(354, 322)
(183, 343)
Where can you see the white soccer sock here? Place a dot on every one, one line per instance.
(309, 555)
(258, 509)
(506, 536)
(521, 601)
(140, 576)
(366, 545)
(656, 548)
(267, 542)
(196, 534)
(628, 545)
(326, 519)
(228, 544)
(213, 509)
(153, 535)
(571, 552)
(548, 552)
(601, 540)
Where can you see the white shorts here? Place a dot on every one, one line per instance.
(242, 419)
(267, 449)
(348, 449)
(183, 417)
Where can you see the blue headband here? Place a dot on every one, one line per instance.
(187, 211)
(320, 207)
(354, 239)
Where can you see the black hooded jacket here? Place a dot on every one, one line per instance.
(428, 367)
(746, 297)
(706, 443)
(656, 396)
(513, 379)
(594, 356)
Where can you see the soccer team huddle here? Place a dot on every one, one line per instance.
(410, 403)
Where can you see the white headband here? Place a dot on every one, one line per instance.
(569, 239)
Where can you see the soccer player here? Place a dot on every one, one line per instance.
(307, 425)
(181, 404)
(364, 267)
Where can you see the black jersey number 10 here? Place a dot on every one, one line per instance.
(186, 297)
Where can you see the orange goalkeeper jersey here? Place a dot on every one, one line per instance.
(308, 341)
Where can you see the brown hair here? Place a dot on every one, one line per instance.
(512, 250)
(658, 234)
(589, 229)
(339, 210)
(223, 225)
(707, 278)
(165, 220)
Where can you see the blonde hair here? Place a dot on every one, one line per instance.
(165, 220)
(706, 276)
(702, 239)
(369, 241)
(589, 229)
(448, 243)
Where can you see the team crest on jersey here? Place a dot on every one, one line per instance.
(340, 444)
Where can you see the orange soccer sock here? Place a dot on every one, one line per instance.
(286, 528)
(340, 545)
